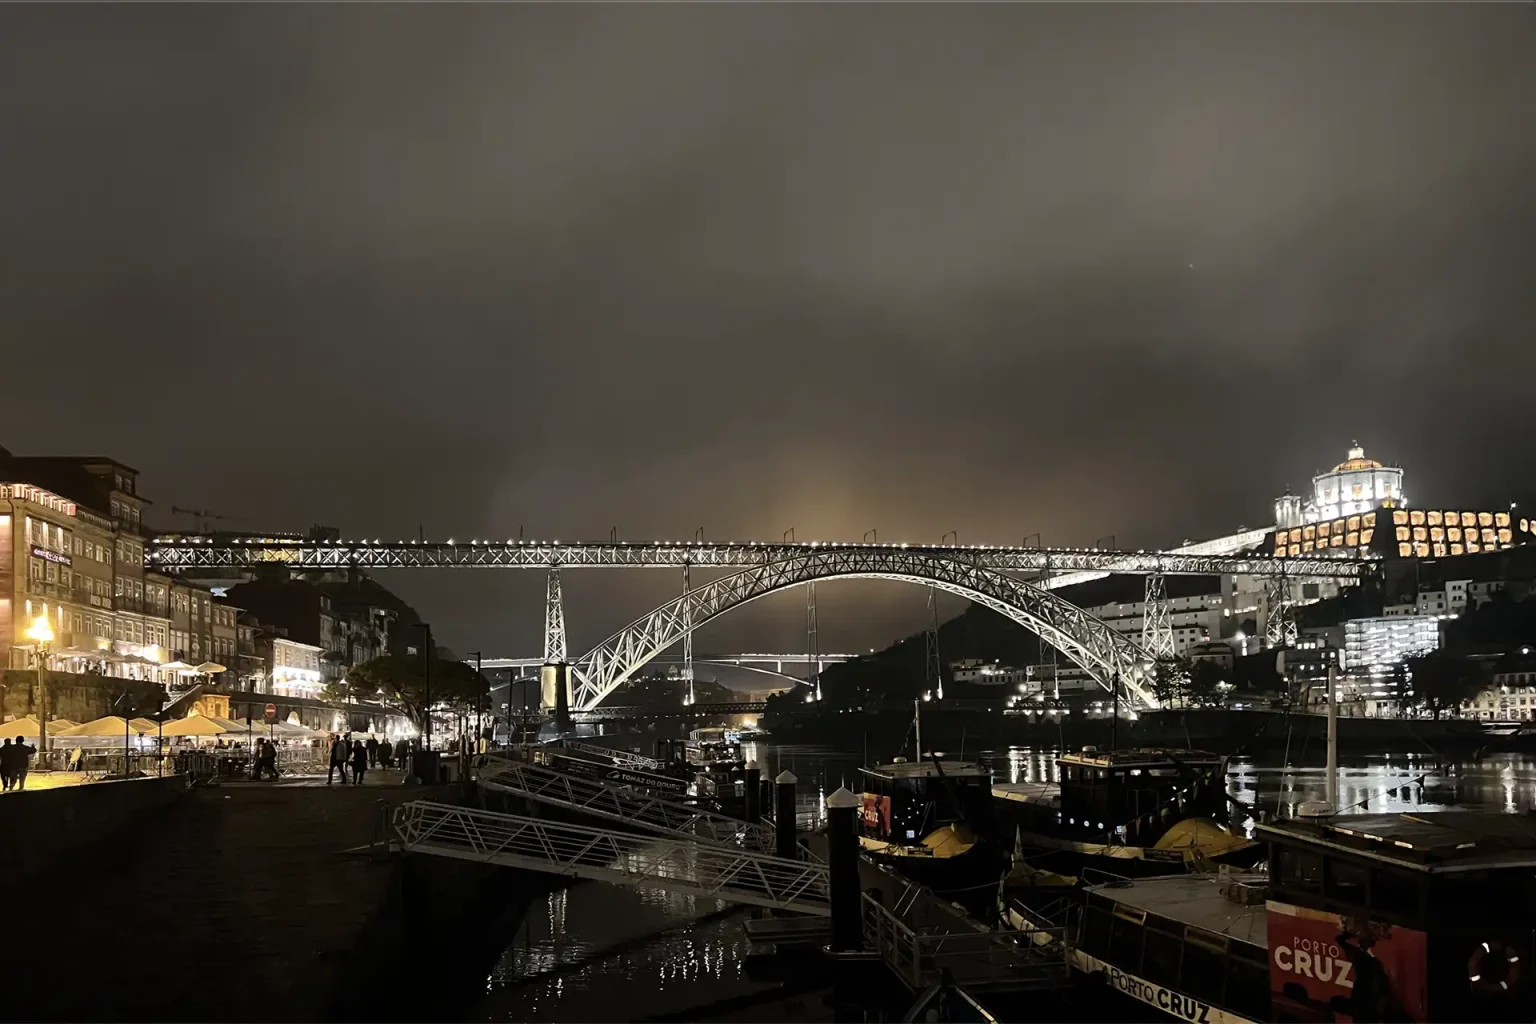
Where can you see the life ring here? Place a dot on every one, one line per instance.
(1493, 969)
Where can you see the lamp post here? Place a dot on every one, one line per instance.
(478, 723)
(41, 634)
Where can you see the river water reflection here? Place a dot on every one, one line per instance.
(596, 952)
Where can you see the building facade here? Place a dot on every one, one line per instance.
(295, 668)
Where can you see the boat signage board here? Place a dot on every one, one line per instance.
(1331, 968)
(1170, 1001)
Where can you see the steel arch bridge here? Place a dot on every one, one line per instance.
(1102, 652)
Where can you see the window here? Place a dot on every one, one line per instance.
(1161, 957)
(1204, 971)
(1299, 870)
(1346, 882)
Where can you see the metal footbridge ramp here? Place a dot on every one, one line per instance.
(620, 804)
(618, 757)
(677, 863)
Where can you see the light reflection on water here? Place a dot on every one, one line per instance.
(583, 953)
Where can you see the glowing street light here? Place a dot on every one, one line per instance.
(41, 633)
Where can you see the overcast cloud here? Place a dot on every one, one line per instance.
(1079, 270)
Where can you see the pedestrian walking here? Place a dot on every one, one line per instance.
(267, 764)
(373, 752)
(359, 762)
(22, 754)
(7, 765)
(384, 749)
(338, 761)
(402, 751)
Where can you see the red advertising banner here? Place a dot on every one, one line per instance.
(877, 813)
(1323, 967)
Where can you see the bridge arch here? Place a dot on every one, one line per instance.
(1087, 640)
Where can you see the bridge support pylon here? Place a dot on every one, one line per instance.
(1156, 622)
(555, 693)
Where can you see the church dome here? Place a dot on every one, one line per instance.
(1357, 460)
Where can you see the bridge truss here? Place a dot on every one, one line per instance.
(1102, 652)
(180, 552)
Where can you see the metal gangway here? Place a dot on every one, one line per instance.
(619, 757)
(678, 863)
(632, 807)
(976, 959)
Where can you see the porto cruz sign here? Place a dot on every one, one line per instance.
(1323, 967)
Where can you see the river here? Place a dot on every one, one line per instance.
(596, 952)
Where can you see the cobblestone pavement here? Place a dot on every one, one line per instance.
(236, 903)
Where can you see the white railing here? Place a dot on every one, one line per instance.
(621, 804)
(681, 864)
(973, 959)
(621, 757)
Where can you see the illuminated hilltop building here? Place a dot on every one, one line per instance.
(1358, 509)
(1356, 485)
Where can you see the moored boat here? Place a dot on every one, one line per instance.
(1136, 812)
(1405, 917)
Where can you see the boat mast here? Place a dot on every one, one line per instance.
(1114, 711)
(1332, 780)
(917, 718)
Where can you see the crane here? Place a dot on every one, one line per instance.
(203, 516)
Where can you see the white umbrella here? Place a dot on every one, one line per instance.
(209, 668)
(26, 728)
(112, 725)
(195, 725)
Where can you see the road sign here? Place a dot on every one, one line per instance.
(271, 712)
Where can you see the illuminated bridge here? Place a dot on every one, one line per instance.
(1017, 582)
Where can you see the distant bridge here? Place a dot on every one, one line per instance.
(621, 712)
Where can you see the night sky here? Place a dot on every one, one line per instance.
(1081, 270)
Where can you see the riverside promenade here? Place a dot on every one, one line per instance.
(245, 901)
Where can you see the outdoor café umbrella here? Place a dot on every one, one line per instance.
(195, 725)
(210, 668)
(112, 725)
(26, 728)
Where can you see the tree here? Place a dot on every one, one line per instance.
(1443, 681)
(1208, 684)
(1170, 681)
(398, 682)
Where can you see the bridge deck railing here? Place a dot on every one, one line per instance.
(624, 858)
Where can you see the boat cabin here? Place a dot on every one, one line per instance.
(1138, 794)
(1416, 917)
(907, 800)
(1385, 917)
(1192, 945)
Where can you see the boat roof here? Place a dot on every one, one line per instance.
(1140, 757)
(926, 769)
(1432, 841)
(1194, 900)
(1027, 792)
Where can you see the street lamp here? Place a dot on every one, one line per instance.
(479, 723)
(41, 634)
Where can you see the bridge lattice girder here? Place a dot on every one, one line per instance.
(197, 552)
(1100, 650)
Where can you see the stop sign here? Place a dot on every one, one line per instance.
(271, 712)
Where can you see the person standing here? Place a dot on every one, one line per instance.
(23, 754)
(359, 762)
(373, 752)
(7, 765)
